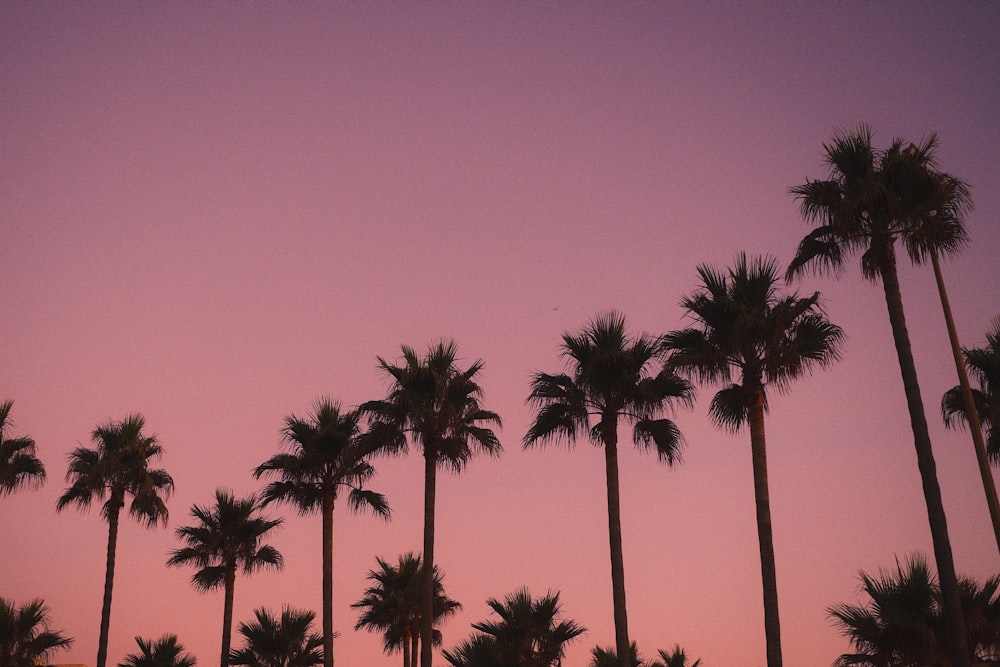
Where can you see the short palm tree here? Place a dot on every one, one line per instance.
(326, 458)
(117, 468)
(391, 605)
(750, 338)
(675, 658)
(25, 637)
(984, 363)
(529, 632)
(612, 377)
(166, 651)
(18, 464)
(287, 641)
(870, 199)
(227, 537)
(608, 657)
(902, 623)
(435, 405)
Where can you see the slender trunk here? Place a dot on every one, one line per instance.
(427, 574)
(762, 497)
(972, 415)
(415, 651)
(406, 649)
(115, 504)
(328, 581)
(951, 606)
(227, 612)
(615, 539)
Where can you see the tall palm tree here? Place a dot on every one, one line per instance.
(392, 605)
(287, 641)
(750, 337)
(612, 377)
(18, 464)
(326, 457)
(902, 623)
(118, 467)
(227, 537)
(984, 362)
(436, 406)
(25, 637)
(166, 651)
(870, 199)
(530, 632)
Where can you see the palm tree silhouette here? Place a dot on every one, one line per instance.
(984, 362)
(118, 467)
(25, 637)
(326, 457)
(226, 538)
(436, 405)
(749, 337)
(18, 464)
(611, 379)
(392, 606)
(166, 651)
(287, 641)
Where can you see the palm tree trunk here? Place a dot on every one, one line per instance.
(115, 504)
(951, 606)
(415, 651)
(615, 539)
(427, 574)
(406, 649)
(227, 613)
(972, 415)
(762, 498)
(328, 581)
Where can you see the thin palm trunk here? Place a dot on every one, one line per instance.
(762, 498)
(427, 575)
(328, 581)
(115, 506)
(951, 607)
(970, 405)
(406, 649)
(227, 613)
(414, 650)
(615, 540)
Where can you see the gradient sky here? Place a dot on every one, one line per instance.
(214, 213)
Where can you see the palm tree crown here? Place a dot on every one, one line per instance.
(18, 464)
(287, 641)
(166, 651)
(25, 637)
(327, 456)
(613, 377)
(226, 537)
(392, 606)
(435, 405)
(984, 364)
(116, 468)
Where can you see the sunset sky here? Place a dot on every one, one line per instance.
(214, 213)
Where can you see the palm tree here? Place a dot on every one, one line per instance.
(985, 365)
(529, 632)
(18, 464)
(608, 657)
(749, 337)
(326, 457)
(436, 406)
(227, 537)
(279, 642)
(25, 637)
(116, 468)
(612, 378)
(870, 199)
(676, 658)
(392, 606)
(476, 651)
(902, 623)
(163, 652)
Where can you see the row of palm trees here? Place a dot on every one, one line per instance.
(746, 335)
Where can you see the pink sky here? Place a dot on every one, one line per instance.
(214, 213)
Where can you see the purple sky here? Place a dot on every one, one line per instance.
(214, 213)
